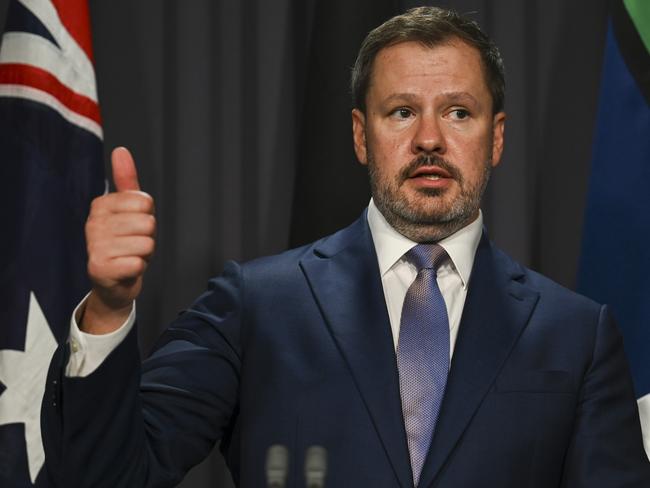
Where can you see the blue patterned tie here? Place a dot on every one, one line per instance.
(423, 352)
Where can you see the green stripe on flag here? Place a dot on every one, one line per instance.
(639, 11)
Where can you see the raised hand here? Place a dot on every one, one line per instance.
(120, 233)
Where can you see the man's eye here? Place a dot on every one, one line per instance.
(402, 113)
(460, 113)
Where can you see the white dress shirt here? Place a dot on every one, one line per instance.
(88, 351)
(397, 274)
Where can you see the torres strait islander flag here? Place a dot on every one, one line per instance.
(51, 168)
(615, 263)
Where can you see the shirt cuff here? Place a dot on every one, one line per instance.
(88, 351)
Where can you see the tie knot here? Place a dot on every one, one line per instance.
(426, 256)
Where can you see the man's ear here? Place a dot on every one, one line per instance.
(498, 128)
(359, 135)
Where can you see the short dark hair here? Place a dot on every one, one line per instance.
(430, 26)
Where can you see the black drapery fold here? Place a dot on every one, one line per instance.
(330, 186)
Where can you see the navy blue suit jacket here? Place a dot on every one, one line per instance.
(296, 349)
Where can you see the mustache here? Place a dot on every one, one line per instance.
(430, 160)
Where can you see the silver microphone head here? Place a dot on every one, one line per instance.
(316, 466)
(277, 466)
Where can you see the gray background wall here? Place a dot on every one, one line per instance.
(238, 115)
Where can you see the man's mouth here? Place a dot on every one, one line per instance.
(432, 173)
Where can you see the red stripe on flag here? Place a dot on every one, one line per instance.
(75, 16)
(23, 74)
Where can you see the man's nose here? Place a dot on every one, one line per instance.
(428, 137)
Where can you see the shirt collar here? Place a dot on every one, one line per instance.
(390, 245)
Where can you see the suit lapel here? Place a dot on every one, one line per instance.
(344, 277)
(496, 311)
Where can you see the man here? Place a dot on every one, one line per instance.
(408, 346)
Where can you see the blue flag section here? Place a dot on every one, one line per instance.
(615, 263)
(51, 168)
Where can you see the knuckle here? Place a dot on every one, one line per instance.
(93, 247)
(91, 225)
(135, 201)
(139, 266)
(149, 245)
(150, 224)
(146, 202)
(131, 267)
(96, 204)
(95, 268)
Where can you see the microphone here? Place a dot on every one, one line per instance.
(316, 466)
(277, 466)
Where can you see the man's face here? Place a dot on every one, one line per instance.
(428, 136)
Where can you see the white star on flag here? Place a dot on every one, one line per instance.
(24, 373)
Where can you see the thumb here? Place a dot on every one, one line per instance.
(125, 176)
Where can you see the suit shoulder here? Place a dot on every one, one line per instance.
(549, 290)
(288, 262)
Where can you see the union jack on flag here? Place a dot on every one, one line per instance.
(51, 167)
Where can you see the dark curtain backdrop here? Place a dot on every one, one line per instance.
(238, 115)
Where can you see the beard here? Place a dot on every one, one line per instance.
(426, 217)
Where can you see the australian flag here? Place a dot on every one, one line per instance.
(51, 167)
(615, 263)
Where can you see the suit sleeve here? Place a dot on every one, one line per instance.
(607, 447)
(132, 425)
